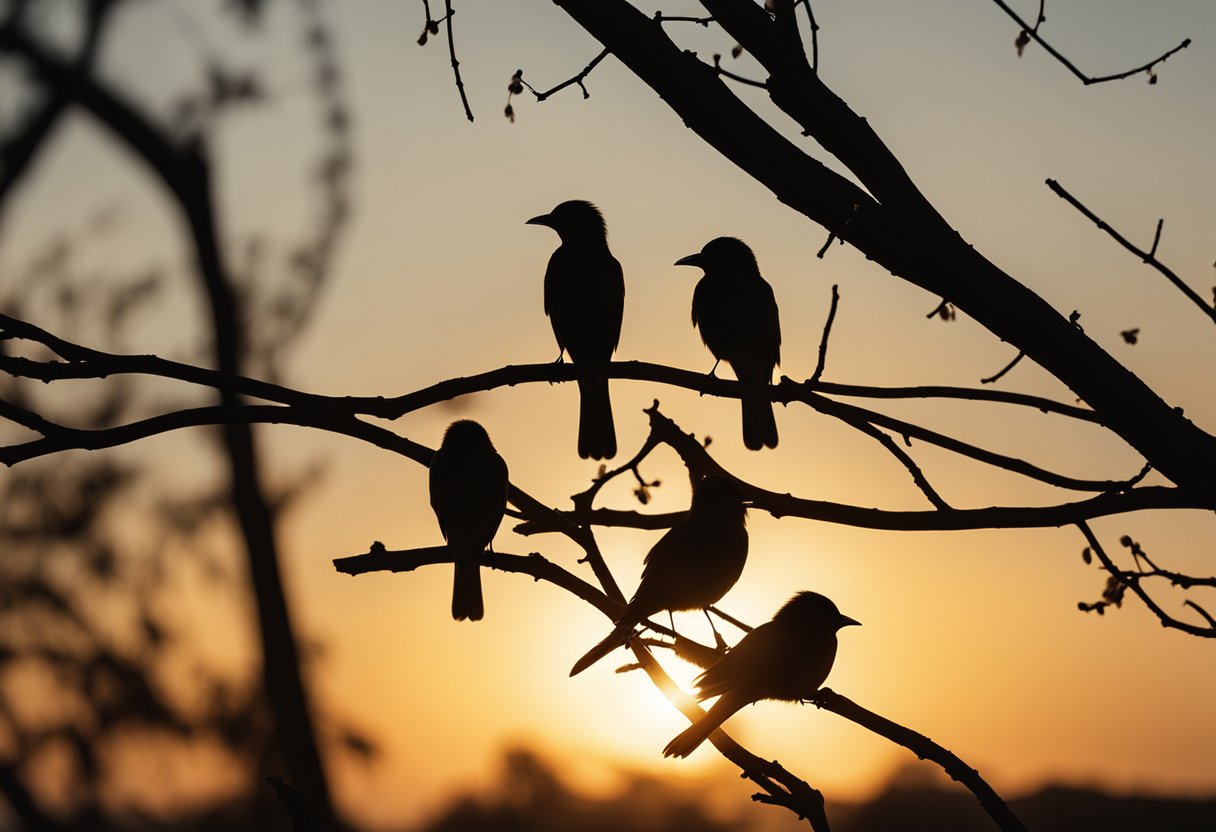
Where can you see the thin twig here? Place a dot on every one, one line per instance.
(906, 460)
(944, 310)
(810, 14)
(1033, 32)
(577, 79)
(997, 376)
(734, 77)
(1206, 615)
(1147, 257)
(464, 98)
(584, 500)
(823, 340)
(659, 17)
(1132, 582)
(1152, 252)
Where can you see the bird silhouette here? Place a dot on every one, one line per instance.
(468, 483)
(691, 567)
(736, 312)
(787, 659)
(585, 302)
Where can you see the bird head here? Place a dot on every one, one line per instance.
(576, 219)
(722, 254)
(468, 433)
(814, 612)
(718, 496)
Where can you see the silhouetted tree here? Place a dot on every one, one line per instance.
(67, 559)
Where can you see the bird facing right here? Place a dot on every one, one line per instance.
(691, 567)
(734, 307)
(786, 659)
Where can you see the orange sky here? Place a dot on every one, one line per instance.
(971, 638)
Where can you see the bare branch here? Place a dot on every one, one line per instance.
(906, 460)
(823, 340)
(380, 559)
(781, 788)
(699, 463)
(577, 79)
(1147, 257)
(431, 27)
(1131, 580)
(726, 73)
(886, 217)
(786, 391)
(669, 18)
(464, 99)
(997, 376)
(90, 363)
(925, 749)
(1033, 32)
(1206, 615)
(810, 14)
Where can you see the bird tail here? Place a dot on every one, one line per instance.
(596, 432)
(466, 588)
(619, 635)
(691, 737)
(687, 740)
(759, 426)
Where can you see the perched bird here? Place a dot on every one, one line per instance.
(585, 301)
(787, 658)
(691, 567)
(469, 495)
(737, 314)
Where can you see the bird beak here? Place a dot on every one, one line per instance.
(690, 260)
(543, 219)
(845, 621)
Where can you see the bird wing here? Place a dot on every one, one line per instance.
(772, 326)
(585, 301)
(444, 486)
(661, 554)
(757, 654)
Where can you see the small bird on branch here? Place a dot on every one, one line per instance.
(734, 307)
(786, 659)
(468, 482)
(585, 302)
(691, 567)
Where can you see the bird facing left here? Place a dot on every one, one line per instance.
(468, 484)
(585, 302)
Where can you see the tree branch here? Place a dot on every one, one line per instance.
(1033, 32)
(780, 786)
(577, 79)
(1131, 580)
(896, 227)
(925, 749)
(823, 340)
(1147, 257)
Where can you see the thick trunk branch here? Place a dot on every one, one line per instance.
(896, 227)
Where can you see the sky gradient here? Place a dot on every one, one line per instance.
(973, 639)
